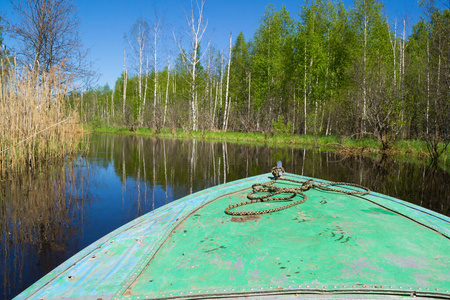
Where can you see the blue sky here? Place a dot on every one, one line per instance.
(104, 23)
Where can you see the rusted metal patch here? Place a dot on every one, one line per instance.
(243, 219)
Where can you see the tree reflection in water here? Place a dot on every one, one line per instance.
(48, 216)
(41, 218)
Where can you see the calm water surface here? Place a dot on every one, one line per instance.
(48, 216)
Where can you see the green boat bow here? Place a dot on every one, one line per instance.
(333, 245)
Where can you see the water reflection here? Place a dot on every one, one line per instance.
(39, 224)
(48, 216)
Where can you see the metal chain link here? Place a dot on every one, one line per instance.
(273, 190)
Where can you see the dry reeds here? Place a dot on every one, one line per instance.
(35, 124)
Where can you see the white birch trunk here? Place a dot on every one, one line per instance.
(225, 119)
(145, 94)
(221, 81)
(155, 69)
(167, 91)
(364, 71)
(304, 90)
(141, 50)
(249, 97)
(112, 103)
(215, 106)
(428, 83)
(124, 84)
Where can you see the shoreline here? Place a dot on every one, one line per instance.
(412, 150)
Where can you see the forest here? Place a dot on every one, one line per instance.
(324, 70)
(331, 71)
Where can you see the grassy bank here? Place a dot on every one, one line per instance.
(402, 149)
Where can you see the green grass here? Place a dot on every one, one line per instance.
(414, 150)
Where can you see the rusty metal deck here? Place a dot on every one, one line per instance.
(333, 243)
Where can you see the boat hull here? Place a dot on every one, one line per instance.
(333, 243)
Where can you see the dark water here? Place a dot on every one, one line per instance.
(48, 216)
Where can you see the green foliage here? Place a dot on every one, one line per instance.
(281, 127)
(97, 122)
(328, 71)
(270, 47)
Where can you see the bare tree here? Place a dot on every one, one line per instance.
(197, 28)
(167, 90)
(138, 39)
(125, 79)
(47, 35)
(156, 34)
(227, 103)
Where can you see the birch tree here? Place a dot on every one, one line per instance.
(316, 22)
(125, 79)
(196, 29)
(240, 83)
(227, 102)
(268, 69)
(138, 39)
(156, 34)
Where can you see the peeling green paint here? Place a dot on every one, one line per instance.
(332, 243)
(356, 244)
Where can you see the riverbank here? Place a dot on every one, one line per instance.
(402, 149)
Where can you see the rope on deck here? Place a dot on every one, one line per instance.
(271, 190)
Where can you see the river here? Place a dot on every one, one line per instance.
(49, 215)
